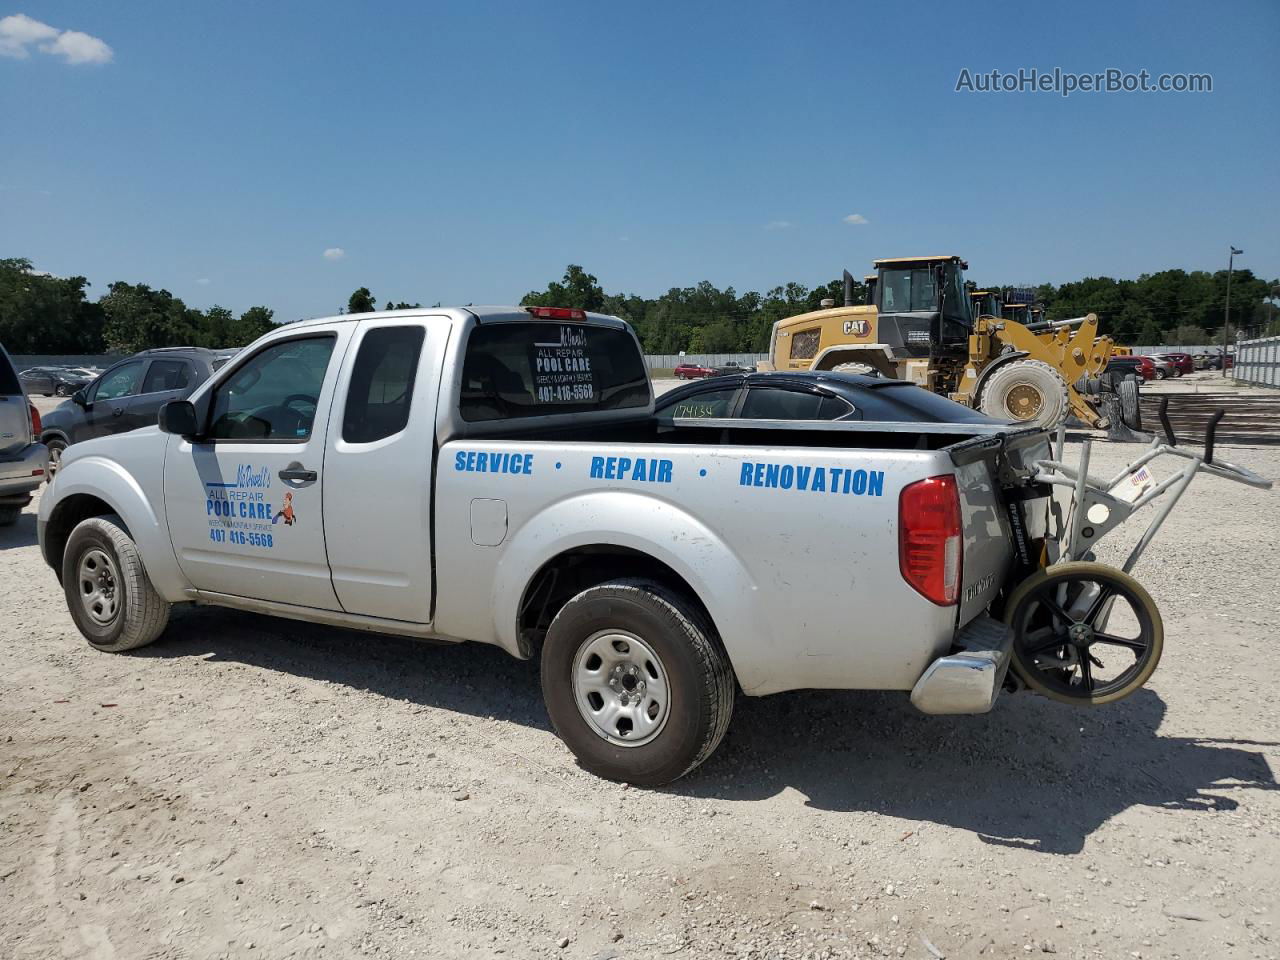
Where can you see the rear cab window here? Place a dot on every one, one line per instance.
(520, 370)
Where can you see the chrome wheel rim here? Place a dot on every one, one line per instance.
(99, 586)
(620, 687)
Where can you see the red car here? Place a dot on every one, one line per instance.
(1142, 366)
(1182, 362)
(694, 371)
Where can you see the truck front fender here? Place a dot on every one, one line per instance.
(647, 525)
(97, 478)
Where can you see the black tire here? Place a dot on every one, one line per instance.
(692, 664)
(1130, 410)
(62, 390)
(1160, 374)
(9, 515)
(1028, 615)
(56, 446)
(133, 614)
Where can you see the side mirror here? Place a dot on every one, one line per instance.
(80, 398)
(179, 416)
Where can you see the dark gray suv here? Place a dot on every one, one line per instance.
(129, 395)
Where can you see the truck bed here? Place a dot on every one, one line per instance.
(758, 516)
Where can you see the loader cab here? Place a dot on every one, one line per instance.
(985, 303)
(923, 306)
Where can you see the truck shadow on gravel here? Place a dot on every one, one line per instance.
(1032, 774)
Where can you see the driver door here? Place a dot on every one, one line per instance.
(243, 502)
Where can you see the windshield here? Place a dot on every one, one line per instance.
(908, 290)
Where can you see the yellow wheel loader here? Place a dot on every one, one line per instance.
(924, 325)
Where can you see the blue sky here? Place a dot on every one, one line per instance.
(466, 152)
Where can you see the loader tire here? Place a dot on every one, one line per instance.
(863, 368)
(1130, 412)
(1026, 390)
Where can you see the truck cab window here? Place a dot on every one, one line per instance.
(382, 384)
(273, 396)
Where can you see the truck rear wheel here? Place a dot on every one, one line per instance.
(1027, 390)
(108, 592)
(636, 682)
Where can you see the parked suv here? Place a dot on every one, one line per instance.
(129, 395)
(23, 459)
(1138, 366)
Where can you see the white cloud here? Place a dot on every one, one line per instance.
(77, 47)
(856, 219)
(203, 281)
(19, 33)
(779, 225)
(334, 253)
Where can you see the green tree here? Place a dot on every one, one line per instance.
(44, 314)
(361, 302)
(576, 289)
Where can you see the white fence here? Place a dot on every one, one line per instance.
(660, 360)
(1258, 362)
(1200, 348)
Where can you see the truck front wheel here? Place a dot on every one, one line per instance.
(636, 682)
(109, 594)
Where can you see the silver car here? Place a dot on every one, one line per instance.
(23, 460)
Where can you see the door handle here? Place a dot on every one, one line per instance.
(118, 412)
(297, 473)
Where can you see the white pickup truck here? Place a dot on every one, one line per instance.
(499, 475)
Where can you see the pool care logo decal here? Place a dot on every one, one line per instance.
(242, 511)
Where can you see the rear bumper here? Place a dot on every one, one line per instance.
(969, 679)
(18, 477)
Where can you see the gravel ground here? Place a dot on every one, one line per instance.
(252, 787)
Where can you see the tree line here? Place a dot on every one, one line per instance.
(1171, 308)
(42, 314)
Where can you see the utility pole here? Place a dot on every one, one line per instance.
(1226, 313)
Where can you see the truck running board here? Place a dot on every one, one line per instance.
(969, 679)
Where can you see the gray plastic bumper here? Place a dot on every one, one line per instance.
(969, 679)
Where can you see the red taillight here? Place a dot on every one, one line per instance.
(557, 313)
(929, 538)
(35, 422)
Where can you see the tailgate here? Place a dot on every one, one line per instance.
(15, 425)
(984, 466)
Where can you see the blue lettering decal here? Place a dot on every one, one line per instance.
(460, 461)
(665, 468)
(528, 463)
(860, 482)
(819, 479)
(771, 475)
(802, 477)
(786, 476)
(624, 464)
(597, 468)
(744, 478)
(757, 478)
